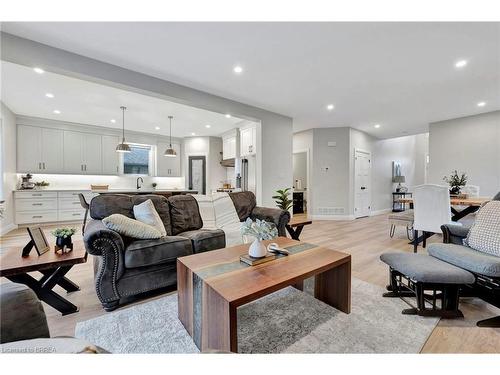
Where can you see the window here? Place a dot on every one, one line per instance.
(138, 161)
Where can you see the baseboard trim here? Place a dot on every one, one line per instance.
(380, 212)
(332, 217)
(7, 228)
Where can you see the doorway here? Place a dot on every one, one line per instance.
(362, 183)
(197, 173)
(300, 182)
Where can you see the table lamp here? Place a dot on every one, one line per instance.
(399, 180)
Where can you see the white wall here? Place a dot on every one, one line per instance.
(411, 151)
(8, 149)
(469, 144)
(334, 188)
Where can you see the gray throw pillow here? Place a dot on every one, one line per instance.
(484, 235)
(130, 227)
(146, 213)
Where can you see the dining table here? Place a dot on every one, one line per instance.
(459, 206)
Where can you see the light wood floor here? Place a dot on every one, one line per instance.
(365, 239)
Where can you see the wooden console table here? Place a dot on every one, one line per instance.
(53, 266)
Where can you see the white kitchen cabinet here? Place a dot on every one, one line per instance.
(248, 141)
(110, 160)
(82, 153)
(168, 166)
(229, 146)
(39, 150)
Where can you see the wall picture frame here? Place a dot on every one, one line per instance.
(38, 240)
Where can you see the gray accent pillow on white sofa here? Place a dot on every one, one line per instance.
(146, 213)
(130, 227)
(484, 235)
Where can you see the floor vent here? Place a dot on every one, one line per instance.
(331, 211)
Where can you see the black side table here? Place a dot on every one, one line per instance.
(396, 205)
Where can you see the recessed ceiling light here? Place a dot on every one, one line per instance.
(56, 111)
(39, 70)
(481, 104)
(113, 120)
(228, 115)
(193, 133)
(207, 126)
(238, 69)
(49, 95)
(330, 107)
(157, 128)
(460, 63)
(376, 126)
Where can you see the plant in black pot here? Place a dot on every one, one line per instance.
(456, 182)
(282, 199)
(63, 238)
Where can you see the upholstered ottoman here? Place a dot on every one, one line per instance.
(434, 283)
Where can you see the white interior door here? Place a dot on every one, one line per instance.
(362, 183)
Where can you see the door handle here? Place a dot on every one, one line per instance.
(363, 188)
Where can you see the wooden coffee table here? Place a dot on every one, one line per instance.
(212, 285)
(53, 266)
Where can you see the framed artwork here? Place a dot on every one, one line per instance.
(38, 239)
(396, 169)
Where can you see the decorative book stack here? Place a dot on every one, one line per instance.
(251, 261)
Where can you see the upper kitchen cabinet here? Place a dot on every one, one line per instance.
(39, 150)
(110, 159)
(82, 153)
(248, 140)
(168, 166)
(229, 141)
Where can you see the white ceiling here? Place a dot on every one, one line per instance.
(23, 91)
(399, 75)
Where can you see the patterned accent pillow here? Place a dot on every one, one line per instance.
(484, 235)
(147, 214)
(130, 227)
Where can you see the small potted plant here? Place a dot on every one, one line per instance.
(282, 199)
(456, 182)
(261, 230)
(63, 238)
(154, 184)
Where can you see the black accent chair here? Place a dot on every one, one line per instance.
(126, 267)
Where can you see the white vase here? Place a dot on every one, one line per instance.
(257, 249)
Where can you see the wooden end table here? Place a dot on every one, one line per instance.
(53, 266)
(295, 226)
(212, 285)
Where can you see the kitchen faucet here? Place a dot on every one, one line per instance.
(137, 184)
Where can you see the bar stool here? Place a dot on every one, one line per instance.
(85, 206)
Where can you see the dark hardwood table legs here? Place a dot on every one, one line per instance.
(294, 233)
(333, 287)
(43, 287)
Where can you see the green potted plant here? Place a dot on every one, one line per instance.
(63, 238)
(456, 182)
(41, 184)
(260, 230)
(282, 199)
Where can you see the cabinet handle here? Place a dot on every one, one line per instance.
(77, 214)
(36, 217)
(39, 165)
(85, 167)
(37, 204)
(81, 167)
(36, 195)
(116, 169)
(76, 202)
(43, 165)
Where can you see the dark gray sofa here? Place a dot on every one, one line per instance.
(125, 267)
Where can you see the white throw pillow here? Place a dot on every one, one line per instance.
(225, 213)
(146, 213)
(130, 227)
(484, 235)
(207, 213)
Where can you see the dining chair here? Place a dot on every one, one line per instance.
(431, 209)
(85, 206)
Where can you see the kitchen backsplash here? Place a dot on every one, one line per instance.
(59, 181)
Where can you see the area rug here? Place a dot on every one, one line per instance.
(287, 321)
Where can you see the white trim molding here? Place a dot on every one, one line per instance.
(332, 217)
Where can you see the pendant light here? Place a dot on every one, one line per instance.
(170, 152)
(123, 147)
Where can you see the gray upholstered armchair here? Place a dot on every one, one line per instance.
(485, 267)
